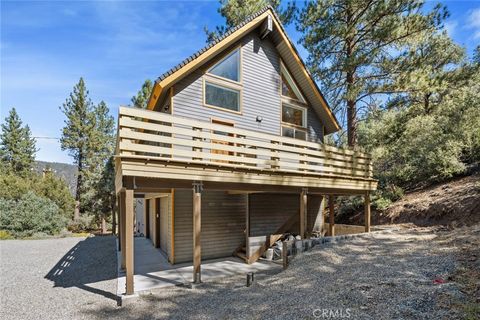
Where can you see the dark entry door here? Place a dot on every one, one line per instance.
(157, 222)
(147, 218)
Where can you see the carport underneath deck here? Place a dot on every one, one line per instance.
(153, 271)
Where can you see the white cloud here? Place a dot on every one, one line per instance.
(451, 27)
(473, 22)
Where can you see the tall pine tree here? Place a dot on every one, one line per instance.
(17, 146)
(236, 11)
(349, 42)
(141, 99)
(78, 129)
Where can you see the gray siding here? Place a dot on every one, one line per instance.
(164, 234)
(261, 93)
(268, 212)
(223, 224)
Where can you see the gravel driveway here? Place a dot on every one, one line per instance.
(56, 278)
(380, 276)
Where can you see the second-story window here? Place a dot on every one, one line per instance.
(222, 83)
(294, 107)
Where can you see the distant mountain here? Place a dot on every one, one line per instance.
(65, 171)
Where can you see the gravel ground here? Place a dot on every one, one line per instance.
(379, 276)
(56, 278)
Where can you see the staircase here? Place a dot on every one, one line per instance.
(241, 251)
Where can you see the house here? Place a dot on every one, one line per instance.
(230, 153)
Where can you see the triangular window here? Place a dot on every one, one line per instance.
(228, 67)
(289, 88)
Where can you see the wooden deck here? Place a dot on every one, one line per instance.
(178, 150)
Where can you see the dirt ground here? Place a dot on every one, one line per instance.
(420, 273)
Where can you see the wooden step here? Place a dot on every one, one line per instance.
(241, 255)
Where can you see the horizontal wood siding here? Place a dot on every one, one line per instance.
(164, 232)
(268, 212)
(223, 224)
(314, 211)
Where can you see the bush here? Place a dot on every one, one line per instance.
(84, 222)
(5, 235)
(29, 215)
(13, 187)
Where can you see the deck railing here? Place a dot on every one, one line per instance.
(163, 137)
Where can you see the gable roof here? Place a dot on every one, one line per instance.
(287, 50)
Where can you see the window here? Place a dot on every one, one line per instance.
(221, 85)
(294, 133)
(294, 115)
(228, 67)
(222, 97)
(289, 88)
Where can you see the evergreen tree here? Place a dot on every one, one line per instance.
(17, 146)
(77, 133)
(433, 66)
(141, 99)
(350, 41)
(236, 11)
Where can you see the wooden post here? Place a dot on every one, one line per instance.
(285, 254)
(331, 225)
(129, 241)
(114, 216)
(303, 212)
(197, 225)
(367, 212)
(122, 227)
(247, 228)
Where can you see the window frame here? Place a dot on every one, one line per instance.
(295, 129)
(293, 85)
(288, 124)
(224, 82)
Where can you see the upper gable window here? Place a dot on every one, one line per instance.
(289, 88)
(228, 67)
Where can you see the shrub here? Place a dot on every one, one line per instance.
(29, 215)
(84, 222)
(5, 235)
(13, 187)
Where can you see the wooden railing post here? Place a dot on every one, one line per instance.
(303, 212)
(367, 212)
(197, 225)
(331, 207)
(129, 241)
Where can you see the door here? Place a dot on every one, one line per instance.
(147, 218)
(164, 201)
(216, 151)
(157, 222)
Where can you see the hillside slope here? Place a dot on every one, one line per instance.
(65, 171)
(454, 203)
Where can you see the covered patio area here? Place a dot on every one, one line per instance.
(153, 271)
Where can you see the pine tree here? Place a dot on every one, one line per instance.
(17, 146)
(433, 66)
(141, 99)
(349, 42)
(77, 133)
(236, 11)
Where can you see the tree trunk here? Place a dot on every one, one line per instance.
(351, 123)
(78, 192)
(351, 101)
(104, 225)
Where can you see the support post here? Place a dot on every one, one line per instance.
(197, 225)
(122, 227)
(129, 241)
(331, 224)
(303, 212)
(367, 211)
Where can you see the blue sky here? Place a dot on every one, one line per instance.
(46, 46)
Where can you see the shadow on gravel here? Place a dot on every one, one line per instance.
(90, 261)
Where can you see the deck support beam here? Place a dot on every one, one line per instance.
(367, 212)
(122, 227)
(303, 212)
(331, 208)
(197, 225)
(129, 241)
